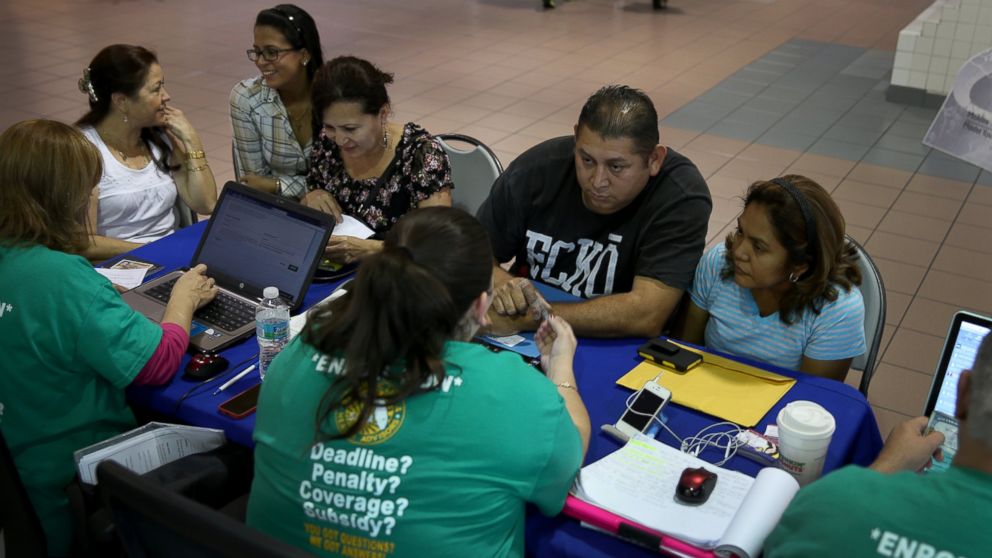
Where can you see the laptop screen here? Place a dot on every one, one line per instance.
(966, 334)
(252, 243)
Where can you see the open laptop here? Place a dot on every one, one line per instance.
(252, 241)
(963, 339)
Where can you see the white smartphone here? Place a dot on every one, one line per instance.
(648, 402)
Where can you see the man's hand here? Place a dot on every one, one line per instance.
(519, 297)
(908, 448)
(500, 325)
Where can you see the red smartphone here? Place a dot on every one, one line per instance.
(242, 404)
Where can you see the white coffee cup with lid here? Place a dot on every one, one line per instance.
(804, 432)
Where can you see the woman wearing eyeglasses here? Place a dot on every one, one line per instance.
(271, 115)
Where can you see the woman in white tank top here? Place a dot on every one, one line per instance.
(151, 154)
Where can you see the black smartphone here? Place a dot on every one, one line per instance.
(666, 353)
(242, 404)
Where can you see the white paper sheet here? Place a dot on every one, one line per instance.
(127, 278)
(349, 226)
(638, 482)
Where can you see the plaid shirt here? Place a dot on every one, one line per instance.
(264, 143)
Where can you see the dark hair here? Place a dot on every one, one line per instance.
(832, 263)
(349, 79)
(298, 28)
(47, 171)
(122, 69)
(404, 304)
(619, 111)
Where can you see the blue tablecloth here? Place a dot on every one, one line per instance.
(598, 364)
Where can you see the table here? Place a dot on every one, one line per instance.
(598, 364)
(200, 408)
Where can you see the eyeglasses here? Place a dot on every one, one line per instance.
(269, 54)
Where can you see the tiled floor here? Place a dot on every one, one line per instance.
(512, 75)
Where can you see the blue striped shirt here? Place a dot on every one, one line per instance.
(736, 326)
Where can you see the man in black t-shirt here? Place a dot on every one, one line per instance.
(609, 215)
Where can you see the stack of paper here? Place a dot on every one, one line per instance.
(148, 447)
(638, 482)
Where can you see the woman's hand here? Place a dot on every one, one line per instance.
(195, 287)
(321, 200)
(348, 249)
(557, 344)
(180, 128)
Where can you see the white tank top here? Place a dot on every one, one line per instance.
(135, 204)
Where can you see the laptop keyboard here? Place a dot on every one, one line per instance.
(225, 311)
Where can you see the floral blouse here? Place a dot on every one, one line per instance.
(419, 170)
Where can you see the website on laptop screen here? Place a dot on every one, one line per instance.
(962, 357)
(260, 244)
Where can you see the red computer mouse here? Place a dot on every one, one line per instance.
(204, 366)
(695, 486)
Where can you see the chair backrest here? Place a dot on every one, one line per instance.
(184, 215)
(153, 521)
(22, 531)
(473, 170)
(873, 293)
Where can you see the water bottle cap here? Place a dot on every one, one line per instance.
(271, 292)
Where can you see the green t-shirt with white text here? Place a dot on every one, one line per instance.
(443, 473)
(70, 345)
(857, 512)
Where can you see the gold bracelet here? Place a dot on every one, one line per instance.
(567, 385)
(199, 168)
(198, 154)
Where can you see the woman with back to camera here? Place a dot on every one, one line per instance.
(150, 151)
(271, 113)
(383, 426)
(363, 165)
(70, 345)
(782, 289)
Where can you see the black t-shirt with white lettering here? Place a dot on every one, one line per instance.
(535, 213)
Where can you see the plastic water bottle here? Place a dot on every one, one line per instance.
(271, 328)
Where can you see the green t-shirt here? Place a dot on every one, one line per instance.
(444, 473)
(858, 512)
(70, 345)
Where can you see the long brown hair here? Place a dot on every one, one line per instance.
(832, 262)
(122, 69)
(404, 304)
(47, 172)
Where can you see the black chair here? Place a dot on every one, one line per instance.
(873, 293)
(154, 522)
(23, 535)
(473, 170)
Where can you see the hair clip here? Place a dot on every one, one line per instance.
(86, 86)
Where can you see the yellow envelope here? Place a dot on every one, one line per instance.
(718, 386)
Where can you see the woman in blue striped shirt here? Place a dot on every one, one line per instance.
(782, 289)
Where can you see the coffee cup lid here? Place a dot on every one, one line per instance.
(806, 419)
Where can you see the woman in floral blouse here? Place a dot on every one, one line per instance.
(363, 165)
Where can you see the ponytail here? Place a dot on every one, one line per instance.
(406, 302)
